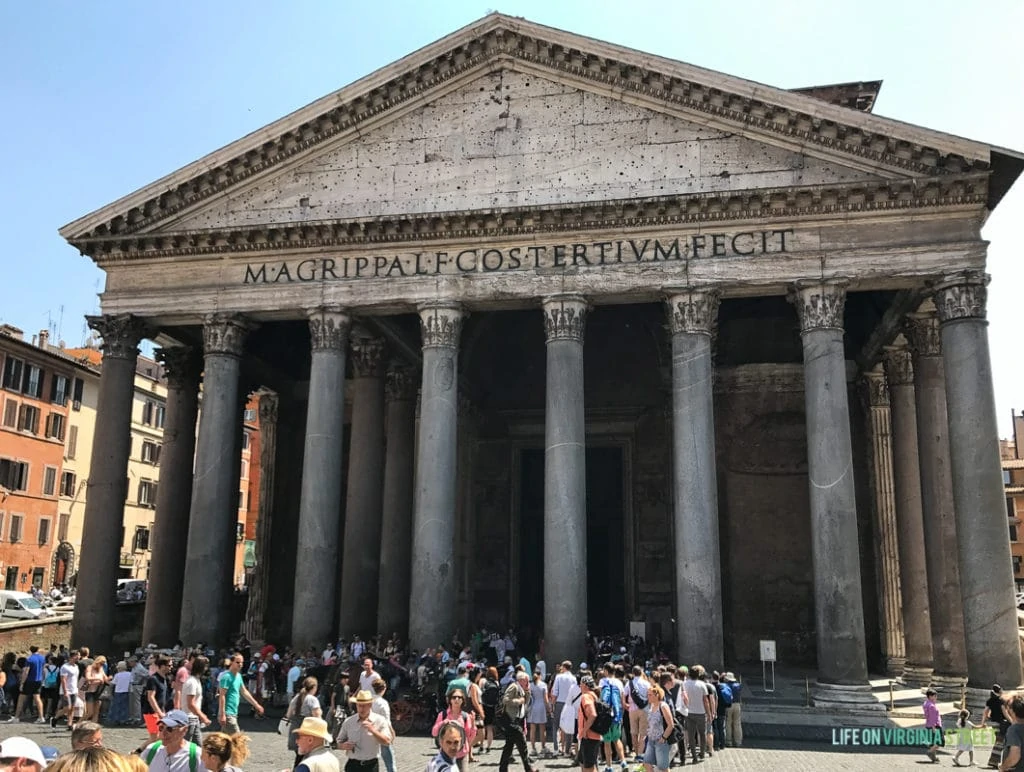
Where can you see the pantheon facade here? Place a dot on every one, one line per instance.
(555, 334)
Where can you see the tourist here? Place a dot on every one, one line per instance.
(140, 674)
(96, 679)
(696, 718)
(660, 723)
(96, 759)
(589, 741)
(181, 676)
(87, 734)
(733, 718)
(361, 735)
(313, 741)
(19, 754)
(558, 697)
(636, 701)
(964, 737)
(613, 693)
(723, 701)
(538, 715)
(50, 690)
(450, 740)
(339, 700)
(490, 696)
(191, 698)
(302, 706)
(72, 703)
(382, 708)
(932, 721)
(511, 714)
(460, 682)
(31, 684)
(229, 691)
(158, 698)
(475, 706)
(172, 752)
(122, 681)
(1013, 745)
(455, 712)
(225, 752)
(712, 710)
(367, 676)
(994, 711)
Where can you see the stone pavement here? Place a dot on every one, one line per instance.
(269, 754)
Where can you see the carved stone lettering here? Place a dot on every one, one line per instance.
(565, 317)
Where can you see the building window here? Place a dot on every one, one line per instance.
(32, 381)
(55, 427)
(1011, 510)
(59, 390)
(1006, 477)
(72, 445)
(11, 579)
(153, 413)
(245, 440)
(158, 418)
(63, 523)
(44, 531)
(1016, 564)
(241, 499)
(245, 469)
(49, 480)
(250, 414)
(140, 542)
(16, 523)
(11, 413)
(76, 394)
(67, 484)
(1013, 532)
(150, 452)
(28, 419)
(239, 532)
(13, 474)
(1, 526)
(147, 493)
(12, 373)
(37, 576)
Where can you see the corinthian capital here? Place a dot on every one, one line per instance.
(693, 311)
(899, 369)
(121, 334)
(368, 357)
(441, 325)
(328, 329)
(225, 334)
(922, 331)
(565, 317)
(819, 304)
(182, 365)
(876, 390)
(400, 384)
(962, 296)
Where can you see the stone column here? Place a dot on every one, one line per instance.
(949, 655)
(432, 596)
(692, 314)
(917, 625)
(990, 615)
(209, 564)
(256, 611)
(838, 603)
(396, 508)
(360, 566)
(887, 565)
(320, 499)
(93, 624)
(173, 496)
(565, 481)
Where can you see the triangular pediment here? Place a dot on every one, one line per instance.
(585, 121)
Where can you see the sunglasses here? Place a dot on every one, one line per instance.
(456, 697)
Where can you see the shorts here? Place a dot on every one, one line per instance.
(657, 754)
(230, 725)
(91, 697)
(588, 753)
(613, 735)
(151, 722)
(31, 687)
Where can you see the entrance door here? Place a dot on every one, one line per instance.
(606, 585)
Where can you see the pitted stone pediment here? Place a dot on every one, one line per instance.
(510, 139)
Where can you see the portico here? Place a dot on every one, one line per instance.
(567, 245)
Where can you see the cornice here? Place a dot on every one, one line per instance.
(866, 197)
(796, 121)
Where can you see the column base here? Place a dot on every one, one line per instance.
(942, 682)
(917, 675)
(857, 698)
(895, 665)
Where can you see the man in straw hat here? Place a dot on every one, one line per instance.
(313, 741)
(362, 735)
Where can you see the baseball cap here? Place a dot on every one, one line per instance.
(22, 748)
(588, 681)
(173, 718)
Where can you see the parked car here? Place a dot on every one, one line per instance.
(21, 605)
(64, 605)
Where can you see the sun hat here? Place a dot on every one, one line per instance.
(173, 718)
(22, 748)
(363, 696)
(314, 727)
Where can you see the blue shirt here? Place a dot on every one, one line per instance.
(36, 663)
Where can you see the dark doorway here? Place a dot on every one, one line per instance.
(606, 585)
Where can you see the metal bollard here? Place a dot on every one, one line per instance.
(892, 701)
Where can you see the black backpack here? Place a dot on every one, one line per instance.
(490, 694)
(603, 718)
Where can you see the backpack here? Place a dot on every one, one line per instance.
(614, 701)
(50, 679)
(490, 694)
(193, 755)
(725, 694)
(604, 717)
(639, 701)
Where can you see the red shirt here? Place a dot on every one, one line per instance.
(586, 710)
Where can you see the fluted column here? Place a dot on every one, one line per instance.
(209, 564)
(838, 604)
(108, 481)
(949, 655)
(692, 314)
(432, 596)
(320, 500)
(917, 624)
(565, 481)
(360, 566)
(256, 611)
(396, 519)
(986, 575)
(173, 496)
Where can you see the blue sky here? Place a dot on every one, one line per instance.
(104, 97)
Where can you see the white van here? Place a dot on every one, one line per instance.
(21, 605)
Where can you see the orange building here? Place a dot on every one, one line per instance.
(40, 387)
(1012, 452)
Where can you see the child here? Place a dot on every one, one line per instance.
(964, 737)
(932, 721)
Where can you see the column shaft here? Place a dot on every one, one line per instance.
(173, 497)
(209, 564)
(360, 566)
(256, 611)
(565, 482)
(917, 625)
(320, 499)
(396, 518)
(838, 604)
(692, 315)
(949, 653)
(990, 616)
(108, 482)
(432, 595)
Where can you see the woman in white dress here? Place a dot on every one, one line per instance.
(537, 718)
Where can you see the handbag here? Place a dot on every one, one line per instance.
(282, 726)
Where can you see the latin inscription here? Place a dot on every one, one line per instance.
(551, 257)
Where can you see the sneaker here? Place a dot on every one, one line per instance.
(40, 720)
